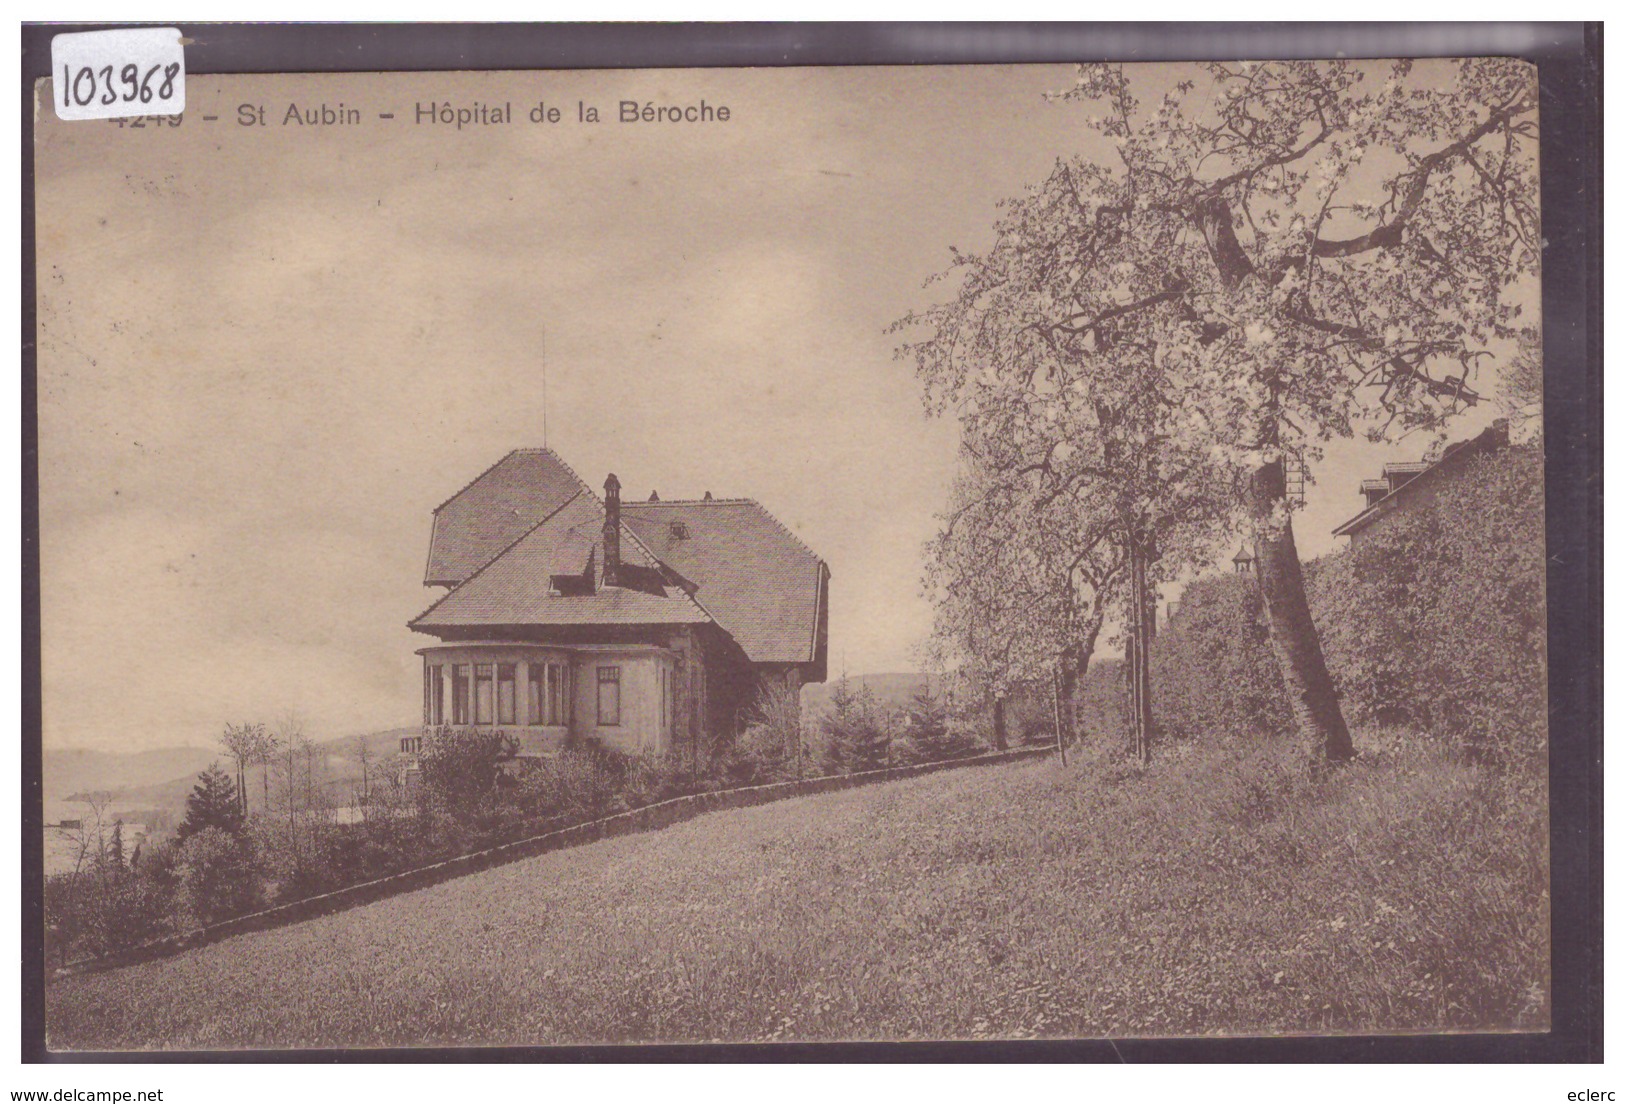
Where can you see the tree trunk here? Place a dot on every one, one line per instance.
(1292, 631)
(999, 741)
(1146, 612)
(1066, 690)
(1075, 676)
(1139, 658)
(1055, 700)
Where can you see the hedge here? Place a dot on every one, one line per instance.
(1435, 620)
(1212, 668)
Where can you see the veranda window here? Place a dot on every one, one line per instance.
(482, 693)
(609, 696)
(460, 677)
(558, 696)
(506, 694)
(535, 679)
(547, 698)
(434, 695)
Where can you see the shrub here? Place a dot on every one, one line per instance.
(932, 733)
(646, 779)
(584, 780)
(856, 736)
(218, 876)
(1101, 701)
(137, 910)
(109, 903)
(1030, 712)
(462, 770)
(772, 747)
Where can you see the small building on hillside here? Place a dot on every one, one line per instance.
(1406, 486)
(649, 627)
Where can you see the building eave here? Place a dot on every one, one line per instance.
(1358, 521)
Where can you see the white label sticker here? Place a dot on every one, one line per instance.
(116, 74)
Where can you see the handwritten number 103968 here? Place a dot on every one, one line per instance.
(130, 84)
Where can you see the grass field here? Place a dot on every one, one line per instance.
(1219, 891)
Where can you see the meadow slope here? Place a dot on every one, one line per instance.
(1219, 891)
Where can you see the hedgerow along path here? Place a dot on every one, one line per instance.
(647, 818)
(1218, 891)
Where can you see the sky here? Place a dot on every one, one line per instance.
(266, 353)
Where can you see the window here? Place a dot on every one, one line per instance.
(535, 677)
(460, 676)
(411, 745)
(558, 696)
(548, 694)
(482, 693)
(434, 695)
(571, 586)
(505, 694)
(609, 696)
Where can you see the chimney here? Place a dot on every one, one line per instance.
(612, 531)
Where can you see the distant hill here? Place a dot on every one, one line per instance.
(378, 744)
(163, 779)
(894, 689)
(70, 771)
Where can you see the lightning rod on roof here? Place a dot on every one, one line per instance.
(544, 384)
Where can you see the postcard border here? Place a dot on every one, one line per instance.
(1569, 61)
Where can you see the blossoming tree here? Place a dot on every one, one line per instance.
(1021, 590)
(1275, 254)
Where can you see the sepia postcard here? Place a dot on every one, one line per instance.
(799, 555)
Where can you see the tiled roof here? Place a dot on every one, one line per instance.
(496, 509)
(752, 575)
(1420, 473)
(514, 588)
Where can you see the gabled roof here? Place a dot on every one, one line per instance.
(515, 587)
(757, 581)
(1400, 479)
(497, 508)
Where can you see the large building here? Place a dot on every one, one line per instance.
(650, 627)
(1405, 486)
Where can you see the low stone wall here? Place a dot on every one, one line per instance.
(649, 818)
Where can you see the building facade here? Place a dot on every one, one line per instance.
(652, 627)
